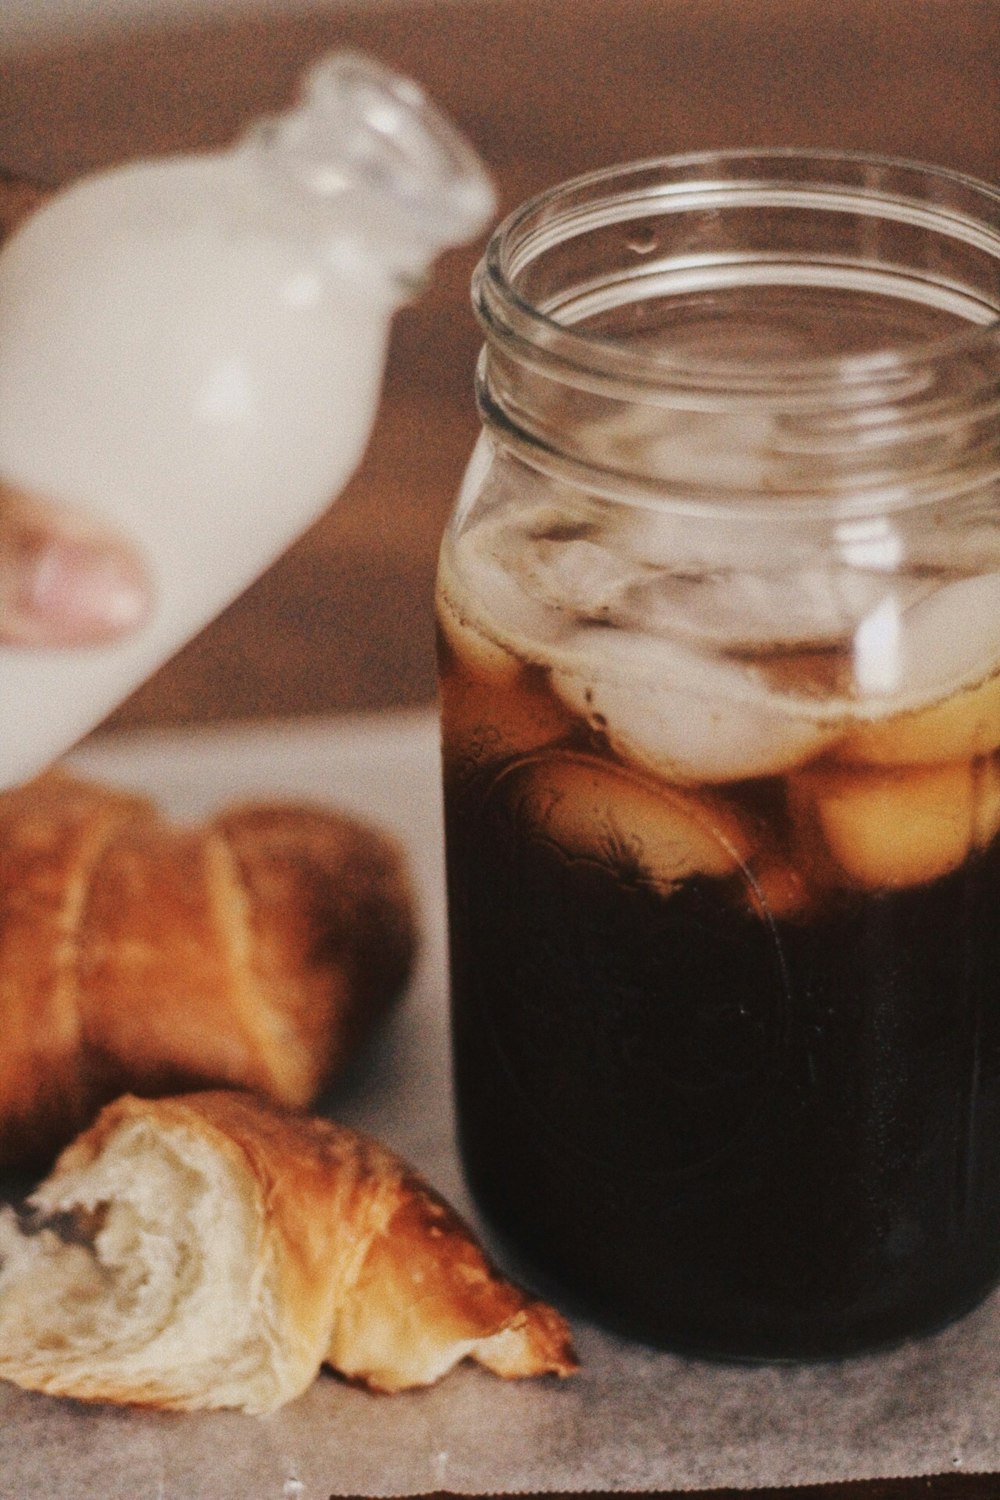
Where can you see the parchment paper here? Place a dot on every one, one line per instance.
(632, 1419)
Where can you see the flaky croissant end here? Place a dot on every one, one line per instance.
(213, 1251)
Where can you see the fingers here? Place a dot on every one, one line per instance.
(65, 581)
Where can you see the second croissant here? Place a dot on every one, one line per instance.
(256, 950)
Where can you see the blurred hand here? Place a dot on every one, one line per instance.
(65, 580)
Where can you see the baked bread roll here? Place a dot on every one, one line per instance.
(255, 950)
(213, 1251)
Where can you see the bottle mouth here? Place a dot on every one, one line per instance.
(366, 137)
(703, 223)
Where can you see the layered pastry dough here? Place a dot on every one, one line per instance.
(255, 950)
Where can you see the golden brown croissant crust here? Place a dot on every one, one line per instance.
(254, 950)
(262, 1245)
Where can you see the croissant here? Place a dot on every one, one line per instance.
(253, 951)
(214, 1250)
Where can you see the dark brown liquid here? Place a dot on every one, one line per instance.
(727, 1134)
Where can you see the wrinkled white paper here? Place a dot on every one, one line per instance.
(632, 1419)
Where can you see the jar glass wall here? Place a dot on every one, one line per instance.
(719, 616)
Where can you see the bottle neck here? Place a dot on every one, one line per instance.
(368, 162)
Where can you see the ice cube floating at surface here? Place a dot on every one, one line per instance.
(557, 613)
(191, 349)
(673, 660)
(869, 803)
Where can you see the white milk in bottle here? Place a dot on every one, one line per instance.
(192, 350)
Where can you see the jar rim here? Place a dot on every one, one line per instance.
(964, 205)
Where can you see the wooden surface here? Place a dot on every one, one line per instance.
(544, 88)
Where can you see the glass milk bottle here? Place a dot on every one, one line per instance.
(191, 349)
(719, 619)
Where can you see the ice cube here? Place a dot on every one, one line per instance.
(961, 727)
(732, 585)
(594, 810)
(492, 706)
(949, 640)
(887, 829)
(682, 714)
(483, 658)
(659, 536)
(579, 575)
(739, 611)
(732, 450)
(488, 600)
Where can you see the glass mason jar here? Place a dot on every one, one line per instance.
(719, 617)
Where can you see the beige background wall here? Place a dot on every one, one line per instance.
(545, 88)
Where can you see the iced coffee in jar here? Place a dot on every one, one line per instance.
(719, 617)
